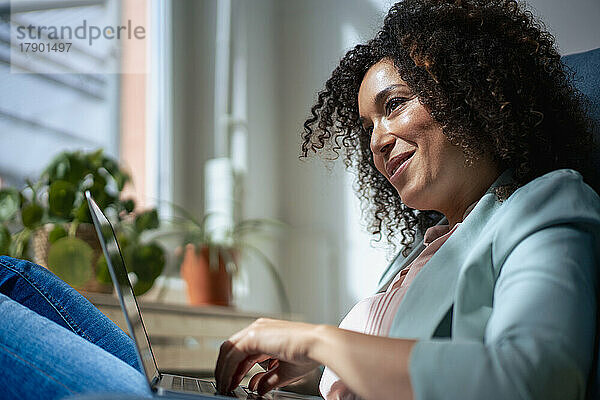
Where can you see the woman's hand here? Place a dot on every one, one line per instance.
(284, 346)
(293, 349)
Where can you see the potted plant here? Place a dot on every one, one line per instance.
(208, 262)
(52, 215)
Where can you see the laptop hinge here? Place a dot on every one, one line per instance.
(155, 380)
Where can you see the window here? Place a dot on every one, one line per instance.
(46, 106)
(109, 90)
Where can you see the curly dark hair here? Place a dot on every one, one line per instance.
(490, 75)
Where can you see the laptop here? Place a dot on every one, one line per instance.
(160, 383)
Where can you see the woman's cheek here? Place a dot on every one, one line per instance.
(380, 165)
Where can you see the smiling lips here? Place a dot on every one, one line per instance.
(395, 163)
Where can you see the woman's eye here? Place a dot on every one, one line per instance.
(392, 104)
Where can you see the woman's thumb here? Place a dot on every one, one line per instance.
(274, 378)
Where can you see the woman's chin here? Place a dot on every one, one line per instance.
(405, 196)
(409, 199)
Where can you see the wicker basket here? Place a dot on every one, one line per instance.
(85, 232)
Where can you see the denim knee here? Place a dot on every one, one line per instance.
(40, 359)
(36, 288)
(41, 291)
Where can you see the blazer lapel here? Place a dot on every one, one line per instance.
(399, 263)
(431, 294)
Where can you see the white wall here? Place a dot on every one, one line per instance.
(574, 23)
(315, 200)
(255, 22)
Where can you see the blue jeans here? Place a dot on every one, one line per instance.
(54, 343)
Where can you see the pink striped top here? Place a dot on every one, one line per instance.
(374, 315)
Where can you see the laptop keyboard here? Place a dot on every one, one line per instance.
(207, 387)
(182, 383)
(193, 385)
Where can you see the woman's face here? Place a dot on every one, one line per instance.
(411, 151)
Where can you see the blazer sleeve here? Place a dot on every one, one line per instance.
(539, 338)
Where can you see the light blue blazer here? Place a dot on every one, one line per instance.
(506, 308)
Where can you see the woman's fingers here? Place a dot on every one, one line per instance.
(243, 369)
(268, 381)
(267, 365)
(223, 352)
(236, 358)
(233, 364)
(282, 374)
(229, 359)
(253, 384)
(274, 378)
(262, 340)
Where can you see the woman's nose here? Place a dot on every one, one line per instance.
(381, 141)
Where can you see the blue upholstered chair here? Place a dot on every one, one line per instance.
(587, 69)
(587, 79)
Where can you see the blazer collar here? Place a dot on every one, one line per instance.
(430, 295)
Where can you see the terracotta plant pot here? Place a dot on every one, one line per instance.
(206, 286)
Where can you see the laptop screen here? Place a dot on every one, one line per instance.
(129, 304)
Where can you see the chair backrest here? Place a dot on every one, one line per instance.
(587, 79)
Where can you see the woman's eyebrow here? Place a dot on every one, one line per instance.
(379, 97)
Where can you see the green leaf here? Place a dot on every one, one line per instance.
(95, 158)
(61, 196)
(102, 272)
(99, 185)
(142, 287)
(124, 240)
(71, 259)
(187, 215)
(121, 179)
(111, 166)
(71, 167)
(146, 220)
(82, 213)
(99, 192)
(22, 198)
(56, 233)
(19, 245)
(77, 170)
(58, 168)
(128, 205)
(147, 261)
(9, 203)
(5, 240)
(32, 215)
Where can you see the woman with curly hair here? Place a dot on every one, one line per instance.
(463, 127)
